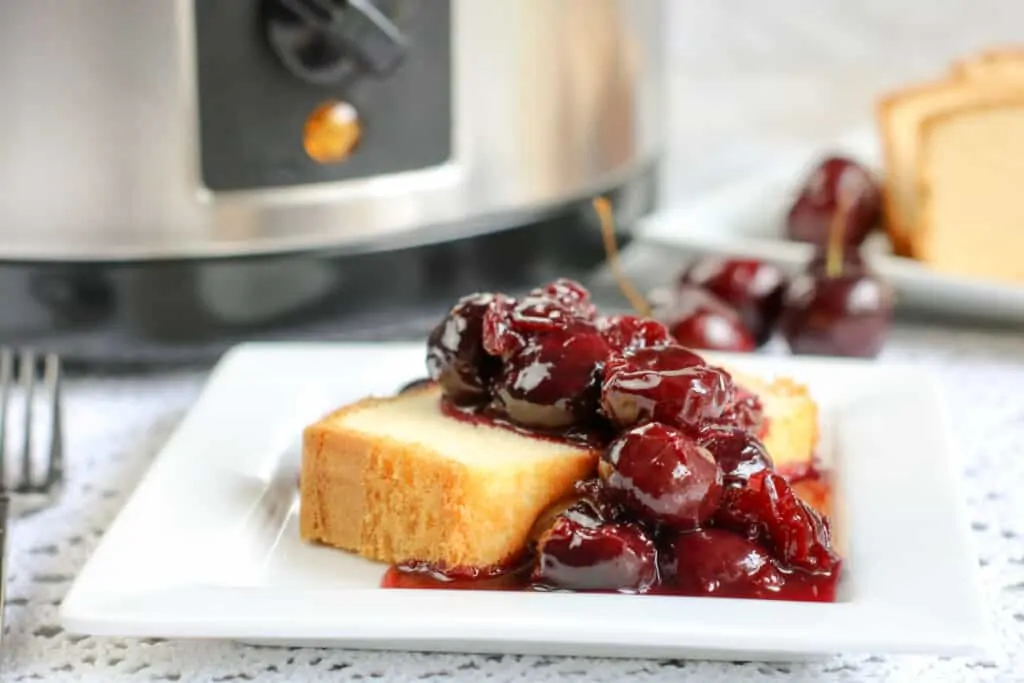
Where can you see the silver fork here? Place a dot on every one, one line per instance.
(20, 484)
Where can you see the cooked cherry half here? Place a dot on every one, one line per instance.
(700, 320)
(836, 182)
(509, 325)
(583, 553)
(754, 288)
(745, 412)
(595, 496)
(662, 476)
(719, 563)
(590, 499)
(570, 294)
(455, 354)
(738, 453)
(628, 332)
(765, 509)
(666, 384)
(844, 315)
(554, 379)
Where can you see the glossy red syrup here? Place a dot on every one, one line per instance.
(773, 582)
(422, 575)
(595, 437)
(797, 587)
(802, 471)
(793, 586)
(812, 483)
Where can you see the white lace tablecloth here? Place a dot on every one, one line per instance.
(115, 426)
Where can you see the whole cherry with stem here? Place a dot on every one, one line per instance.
(838, 307)
(695, 317)
(752, 287)
(837, 185)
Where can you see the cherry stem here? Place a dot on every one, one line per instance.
(603, 207)
(834, 249)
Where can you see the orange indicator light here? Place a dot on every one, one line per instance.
(332, 132)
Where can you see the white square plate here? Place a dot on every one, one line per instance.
(208, 547)
(747, 218)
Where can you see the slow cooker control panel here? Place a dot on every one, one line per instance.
(296, 92)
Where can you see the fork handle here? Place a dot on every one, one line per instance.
(5, 505)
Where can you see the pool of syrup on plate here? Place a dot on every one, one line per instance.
(810, 482)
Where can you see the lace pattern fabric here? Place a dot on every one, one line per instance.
(115, 427)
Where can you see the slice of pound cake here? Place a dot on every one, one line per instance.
(968, 175)
(900, 116)
(397, 480)
(950, 150)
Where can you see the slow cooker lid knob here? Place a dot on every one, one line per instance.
(327, 42)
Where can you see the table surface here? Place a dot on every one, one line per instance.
(116, 426)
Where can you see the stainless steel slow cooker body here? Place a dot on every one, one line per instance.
(166, 130)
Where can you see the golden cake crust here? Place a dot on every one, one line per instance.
(895, 227)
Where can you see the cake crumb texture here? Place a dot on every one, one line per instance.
(401, 501)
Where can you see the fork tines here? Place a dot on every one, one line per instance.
(20, 383)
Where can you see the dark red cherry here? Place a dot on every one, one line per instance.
(589, 504)
(585, 554)
(746, 412)
(766, 510)
(554, 380)
(700, 320)
(662, 476)
(455, 354)
(593, 494)
(570, 294)
(835, 179)
(715, 562)
(509, 325)
(737, 451)
(845, 315)
(666, 384)
(628, 332)
(754, 288)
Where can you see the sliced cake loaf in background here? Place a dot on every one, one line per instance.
(900, 118)
(950, 154)
(970, 181)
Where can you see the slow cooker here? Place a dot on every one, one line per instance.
(178, 175)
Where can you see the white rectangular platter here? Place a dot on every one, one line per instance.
(207, 546)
